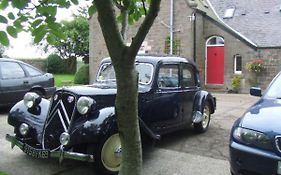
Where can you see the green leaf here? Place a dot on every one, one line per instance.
(20, 4)
(12, 31)
(92, 10)
(47, 10)
(38, 30)
(11, 16)
(35, 23)
(51, 39)
(75, 2)
(58, 34)
(39, 36)
(3, 19)
(18, 25)
(4, 4)
(4, 38)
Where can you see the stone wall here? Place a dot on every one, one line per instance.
(38, 63)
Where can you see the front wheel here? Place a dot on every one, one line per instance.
(108, 155)
(204, 124)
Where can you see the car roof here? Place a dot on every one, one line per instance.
(154, 59)
(11, 60)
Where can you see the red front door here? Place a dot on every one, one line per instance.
(215, 65)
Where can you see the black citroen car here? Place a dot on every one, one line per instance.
(79, 122)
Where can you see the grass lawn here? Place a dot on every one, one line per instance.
(2, 173)
(63, 80)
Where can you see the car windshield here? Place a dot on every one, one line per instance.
(274, 89)
(107, 74)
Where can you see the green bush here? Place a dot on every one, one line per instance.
(236, 82)
(55, 64)
(82, 75)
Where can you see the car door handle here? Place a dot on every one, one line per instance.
(25, 82)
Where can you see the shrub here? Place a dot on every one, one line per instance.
(82, 75)
(236, 83)
(55, 64)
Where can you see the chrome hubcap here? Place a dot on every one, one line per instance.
(206, 117)
(111, 153)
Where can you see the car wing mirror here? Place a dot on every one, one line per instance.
(255, 91)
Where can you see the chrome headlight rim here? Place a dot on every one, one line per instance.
(24, 129)
(31, 99)
(85, 105)
(64, 138)
(252, 138)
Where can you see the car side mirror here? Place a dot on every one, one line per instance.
(255, 91)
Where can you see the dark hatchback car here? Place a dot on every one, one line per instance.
(17, 78)
(80, 123)
(255, 141)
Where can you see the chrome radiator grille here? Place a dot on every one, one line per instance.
(59, 118)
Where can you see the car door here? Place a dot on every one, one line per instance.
(14, 83)
(35, 76)
(190, 86)
(165, 104)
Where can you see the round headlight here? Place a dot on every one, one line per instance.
(24, 128)
(31, 99)
(64, 138)
(84, 104)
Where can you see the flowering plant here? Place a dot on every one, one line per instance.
(256, 66)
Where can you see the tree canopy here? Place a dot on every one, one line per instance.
(76, 42)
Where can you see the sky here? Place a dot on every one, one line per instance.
(22, 47)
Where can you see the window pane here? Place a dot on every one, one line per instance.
(32, 71)
(168, 76)
(188, 76)
(216, 41)
(238, 63)
(11, 70)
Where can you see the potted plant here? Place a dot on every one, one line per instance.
(255, 67)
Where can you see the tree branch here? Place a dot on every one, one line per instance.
(144, 8)
(145, 26)
(109, 27)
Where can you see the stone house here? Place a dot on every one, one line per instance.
(221, 37)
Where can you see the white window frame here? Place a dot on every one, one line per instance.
(235, 64)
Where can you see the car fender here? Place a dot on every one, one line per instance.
(94, 127)
(201, 97)
(34, 117)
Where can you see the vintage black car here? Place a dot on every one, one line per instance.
(80, 123)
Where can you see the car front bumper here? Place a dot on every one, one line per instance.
(44, 154)
(245, 160)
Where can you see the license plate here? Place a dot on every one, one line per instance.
(37, 153)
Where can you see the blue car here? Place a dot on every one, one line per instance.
(255, 140)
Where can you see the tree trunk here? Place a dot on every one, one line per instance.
(123, 59)
(127, 115)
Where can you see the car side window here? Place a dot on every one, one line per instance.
(168, 76)
(188, 78)
(11, 70)
(31, 71)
